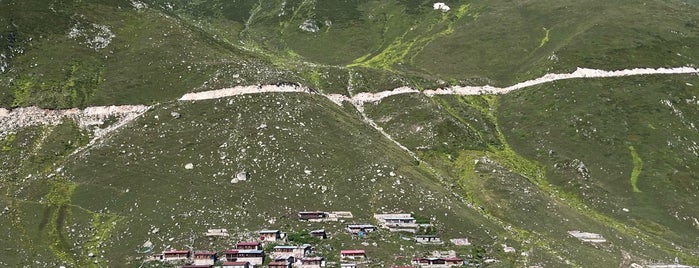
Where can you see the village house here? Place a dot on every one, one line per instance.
(204, 258)
(435, 262)
(279, 264)
(198, 266)
(315, 216)
(348, 265)
(249, 245)
(154, 257)
(397, 222)
(319, 234)
(254, 257)
(175, 255)
(288, 259)
(293, 251)
(235, 264)
(230, 255)
(428, 239)
(360, 228)
(312, 262)
(270, 235)
(454, 261)
(341, 214)
(353, 254)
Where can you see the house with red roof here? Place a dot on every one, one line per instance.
(249, 245)
(204, 258)
(175, 255)
(353, 254)
(231, 255)
(312, 262)
(453, 261)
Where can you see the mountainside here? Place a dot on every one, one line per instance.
(362, 106)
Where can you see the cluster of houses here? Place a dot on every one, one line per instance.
(251, 254)
(247, 255)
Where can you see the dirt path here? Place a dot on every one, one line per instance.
(367, 97)
(92, 117)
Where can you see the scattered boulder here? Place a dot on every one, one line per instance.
(189, 166)
(309, 26)
(241, 176)
(441, 6)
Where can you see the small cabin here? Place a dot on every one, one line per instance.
(204, 258)
(249, 245)
(319, 234)
(360, 228)
(254, 257)
(293, 251)
(453, 261)
(313, 216)
(353, 254)
(270, 235)
(442, 262)
(175, 255)
(397, 222)
(313, 262)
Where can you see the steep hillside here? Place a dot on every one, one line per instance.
(625, 147)
(109, 199)
(81, 53)
(517, 174)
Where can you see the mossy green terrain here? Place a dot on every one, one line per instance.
(612, 156)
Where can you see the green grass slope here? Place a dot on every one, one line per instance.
(80, 53)
(624, 147)
(133, 187)
(462, 137)
(612, 156)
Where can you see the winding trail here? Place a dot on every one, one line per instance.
(93, 117)
(368, 97)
